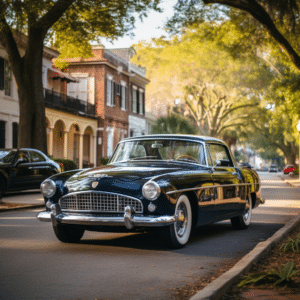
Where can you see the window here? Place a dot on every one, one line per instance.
(1, 73)
(110, 95)
(82, 90)
(36, 157)
(134, 99)
(219, 153)
(15, 134)
(110, 142)
(2, 134)
(123, 97)
(141, 102)
(5, 76)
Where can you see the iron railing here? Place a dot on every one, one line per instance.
(67, 103)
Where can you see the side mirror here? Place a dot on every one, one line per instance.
(217, 163)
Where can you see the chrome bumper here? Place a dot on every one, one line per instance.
(129, 219)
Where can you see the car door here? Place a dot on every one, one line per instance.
(227, 181)
(40, 167)
(21, 175)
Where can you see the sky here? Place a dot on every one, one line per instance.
(149, 28)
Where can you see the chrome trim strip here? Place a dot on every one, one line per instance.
(209, 187)
(143, 221)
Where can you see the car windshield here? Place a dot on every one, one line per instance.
(6, 157)
(159, 149)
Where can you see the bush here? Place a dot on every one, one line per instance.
(104, 160)
(66, 164)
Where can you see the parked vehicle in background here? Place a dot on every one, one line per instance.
(273, 168)
(170, 183)
(24, 169)
(263, 169)
(289, 169)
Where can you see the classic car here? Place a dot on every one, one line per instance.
(24, 169)
(169, 183)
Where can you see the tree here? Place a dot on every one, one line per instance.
(69, 24)
(279, 18)
(173, 124)
(218, 89)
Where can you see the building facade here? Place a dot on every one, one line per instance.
(119, 96)
(71, 122)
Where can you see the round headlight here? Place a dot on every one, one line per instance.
(48, 188)
(151, 190)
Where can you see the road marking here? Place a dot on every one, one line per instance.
(18, 218)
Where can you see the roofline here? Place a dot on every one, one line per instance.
(174, 136)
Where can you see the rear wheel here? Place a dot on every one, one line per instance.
(177, 235)
(243, 221)
(68, 233)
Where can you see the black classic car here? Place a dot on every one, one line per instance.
(167, 182)
(24, 169)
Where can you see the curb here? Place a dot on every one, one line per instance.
(22, 207)
(216, 289)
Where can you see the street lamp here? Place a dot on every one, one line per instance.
(298, 128)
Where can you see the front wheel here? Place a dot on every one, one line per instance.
(177, 235)
(68, 233)
(243, 221)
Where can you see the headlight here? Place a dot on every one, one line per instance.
(48, 188)
(151, 190)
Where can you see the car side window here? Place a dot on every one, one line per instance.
(220, 153)
(22, 155)
(210, 163)
(36, 157)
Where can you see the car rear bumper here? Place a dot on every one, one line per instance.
(129, 219)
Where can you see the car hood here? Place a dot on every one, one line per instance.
(114, 178)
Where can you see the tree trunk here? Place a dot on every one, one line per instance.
(32, 123)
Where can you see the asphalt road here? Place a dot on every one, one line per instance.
(35, 265)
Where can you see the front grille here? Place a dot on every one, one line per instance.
(99, 202)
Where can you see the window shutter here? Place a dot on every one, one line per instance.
(15, 135)
(138, 101)
(2, 134)
(113, 92)
(120, 96)
(1, 73)
(125, 97)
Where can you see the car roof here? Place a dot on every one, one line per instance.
(190, 137)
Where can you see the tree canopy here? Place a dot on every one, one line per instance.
(219, 90)
(266, 18)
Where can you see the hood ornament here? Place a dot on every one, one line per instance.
(94, 184)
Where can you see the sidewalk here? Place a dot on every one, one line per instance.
(218, 287)
(23, 199)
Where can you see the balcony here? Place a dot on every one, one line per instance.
(68, 104)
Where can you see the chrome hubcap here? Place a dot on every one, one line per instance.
(181, 219)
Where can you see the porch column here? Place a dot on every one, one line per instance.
(80, 150)
(50, 146)
(92, 150)
(66, 144)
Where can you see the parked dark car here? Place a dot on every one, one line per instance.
(289, 169)
(168, 182)
(24, 169)
(273, 168)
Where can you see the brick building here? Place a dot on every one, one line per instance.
(119, 89)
